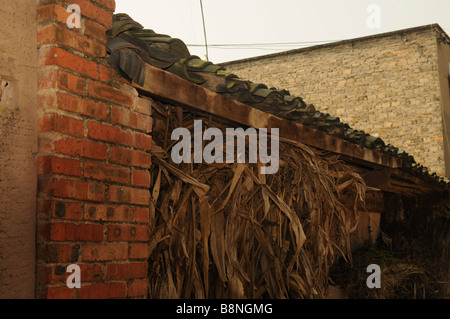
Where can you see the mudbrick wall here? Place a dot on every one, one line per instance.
(18, 146)
(93, 160)
(387, 85)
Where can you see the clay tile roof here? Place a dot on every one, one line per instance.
(129, 45)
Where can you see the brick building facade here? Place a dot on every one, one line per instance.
(392, 85)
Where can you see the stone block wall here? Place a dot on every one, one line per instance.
(94, 155)
(386, 85)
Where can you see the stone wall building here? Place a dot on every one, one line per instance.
(392, 85)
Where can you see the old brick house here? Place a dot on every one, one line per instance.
(83, 129)
(393, 85)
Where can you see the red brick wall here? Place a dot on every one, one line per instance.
(93, 161)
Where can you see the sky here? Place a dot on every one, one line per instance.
(238, 29)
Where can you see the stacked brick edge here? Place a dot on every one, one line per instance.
(94, 154)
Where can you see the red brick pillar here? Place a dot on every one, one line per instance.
(94, 156)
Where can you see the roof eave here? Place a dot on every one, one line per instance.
(179, 92)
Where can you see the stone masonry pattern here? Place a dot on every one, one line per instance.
(386, 86)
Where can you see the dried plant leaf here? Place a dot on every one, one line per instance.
(223, 230)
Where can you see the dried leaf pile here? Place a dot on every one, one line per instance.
(403, 276)
(226, 231)
(412, 252)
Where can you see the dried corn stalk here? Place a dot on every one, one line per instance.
(225, 231)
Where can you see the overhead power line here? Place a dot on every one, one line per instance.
(204, 30)
(262, 46)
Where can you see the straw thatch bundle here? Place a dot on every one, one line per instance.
(226, 231)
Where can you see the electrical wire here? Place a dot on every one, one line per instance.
(263, 46)
(268, 45)
(204, 30)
